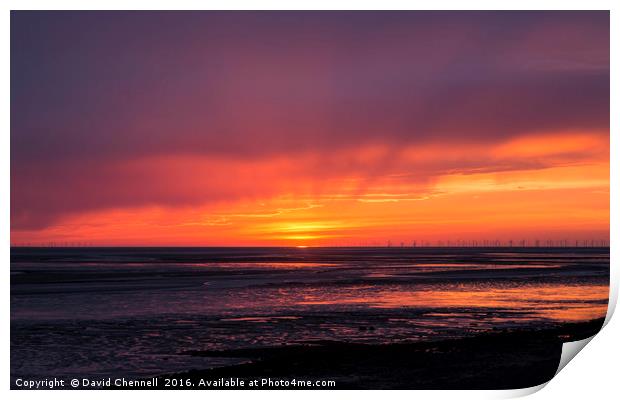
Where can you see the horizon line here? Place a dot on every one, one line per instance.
(301, 247)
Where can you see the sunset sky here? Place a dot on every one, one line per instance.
(308, 128)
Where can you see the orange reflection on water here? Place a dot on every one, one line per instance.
(558, 302)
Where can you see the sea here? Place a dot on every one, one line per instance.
(144, 312)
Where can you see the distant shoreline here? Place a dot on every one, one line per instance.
(310, 247)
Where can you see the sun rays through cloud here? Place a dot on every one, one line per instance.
(193, 134)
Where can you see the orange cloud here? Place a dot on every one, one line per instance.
(365, 196)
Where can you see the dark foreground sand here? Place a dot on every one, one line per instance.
(498, 360)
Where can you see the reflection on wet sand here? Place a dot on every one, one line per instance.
(132, 312)
(558, 302)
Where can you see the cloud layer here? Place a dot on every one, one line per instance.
(127, 110)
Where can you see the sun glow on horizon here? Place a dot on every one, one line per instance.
(509, 203)
(524, 202)
(221, 137)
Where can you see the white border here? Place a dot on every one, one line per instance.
(574, 382)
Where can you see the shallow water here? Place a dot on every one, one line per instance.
(136, 312)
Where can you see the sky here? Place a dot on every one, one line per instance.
(309, 128)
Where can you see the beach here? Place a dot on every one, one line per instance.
(498, 360)
(362, 317)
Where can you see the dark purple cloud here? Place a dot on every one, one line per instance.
(90, 90)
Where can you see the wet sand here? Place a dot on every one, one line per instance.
(363, 317)
(499, 360)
